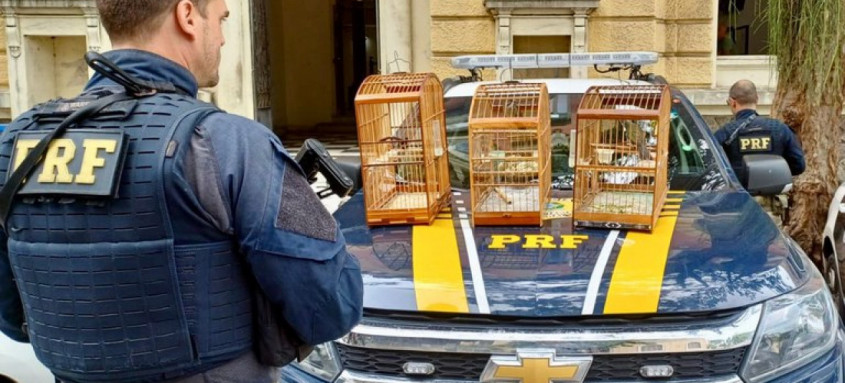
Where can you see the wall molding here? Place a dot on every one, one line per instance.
(575, 12)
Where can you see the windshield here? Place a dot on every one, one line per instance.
(691, 163)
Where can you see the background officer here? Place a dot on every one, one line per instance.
(750, 133)
(153, 282)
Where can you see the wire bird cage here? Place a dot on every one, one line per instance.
(622, 156)
(509, 136)
(402, 136)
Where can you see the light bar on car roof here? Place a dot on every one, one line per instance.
(554, 60)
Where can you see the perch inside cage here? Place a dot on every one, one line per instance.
(509, 134)
(401, 133)
(622, 156)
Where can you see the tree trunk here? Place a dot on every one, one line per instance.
(818, 130)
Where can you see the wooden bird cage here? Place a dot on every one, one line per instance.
(510, 154)
(402, 136)
(621, 170)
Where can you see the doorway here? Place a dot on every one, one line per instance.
(541, 44)
(319, 53)
(356, 50)
(57, 67)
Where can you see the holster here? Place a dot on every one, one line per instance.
(275, 342)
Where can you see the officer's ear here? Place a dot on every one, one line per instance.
(188, 18)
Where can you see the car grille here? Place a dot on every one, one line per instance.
(447, 365)
(605, 368)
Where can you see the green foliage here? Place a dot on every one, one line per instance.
(807, 38)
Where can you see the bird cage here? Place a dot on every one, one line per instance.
(402, 137)
(622, 156)
(509, 136)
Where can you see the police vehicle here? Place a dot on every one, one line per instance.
(833, 242)
(716, 293)
(18, 364)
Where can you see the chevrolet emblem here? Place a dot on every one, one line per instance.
(536, 366)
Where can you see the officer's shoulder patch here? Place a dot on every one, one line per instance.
(300, 210)
(84, 163)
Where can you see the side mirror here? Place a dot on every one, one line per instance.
(767, 174)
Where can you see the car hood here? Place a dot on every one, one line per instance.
(709, 251)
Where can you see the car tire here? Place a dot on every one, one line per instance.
(833, 276)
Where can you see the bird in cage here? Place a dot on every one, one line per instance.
(636, 134)
(625, 134)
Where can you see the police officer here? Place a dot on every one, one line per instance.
(130, 250)
(749, 133)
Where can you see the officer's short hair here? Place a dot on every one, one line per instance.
(744, 92)
(127, 19)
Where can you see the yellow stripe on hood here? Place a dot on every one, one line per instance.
(638, 276)
(438, 276)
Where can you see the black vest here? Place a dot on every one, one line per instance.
(751, 136)
(108, 292)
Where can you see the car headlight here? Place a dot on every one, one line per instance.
(323, 362)
(795, 329)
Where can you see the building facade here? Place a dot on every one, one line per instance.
(295, 65)
(5, 98)
(687, 34)
(45, 41)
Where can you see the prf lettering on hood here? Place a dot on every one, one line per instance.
(539, 241)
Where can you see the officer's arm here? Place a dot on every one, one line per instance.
(11, 309)
(720, 135)
(294, 246)
(793, 153)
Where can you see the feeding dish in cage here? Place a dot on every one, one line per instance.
(509, 154)
(621, 203)
(402, 136)
(621, 173)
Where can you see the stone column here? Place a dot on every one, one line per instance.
(395, 30)
(504, 40)
(421, 20)
(17, 67)
(236, 91)
(93, 33)
(579, 40)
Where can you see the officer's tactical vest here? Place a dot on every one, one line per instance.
(748, 138)
(108, 295)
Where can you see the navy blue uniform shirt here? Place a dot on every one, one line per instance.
(245, 184)
(762, 135)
